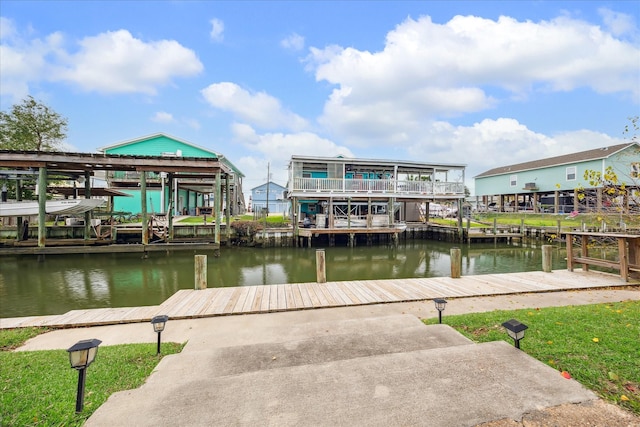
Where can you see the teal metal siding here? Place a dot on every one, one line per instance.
(132, 204)
(157, 146)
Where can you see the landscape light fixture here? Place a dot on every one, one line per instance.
(81, 355)
(158, 323)
(440, 304)
(515, 330)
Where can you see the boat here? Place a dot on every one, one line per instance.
(52, 207)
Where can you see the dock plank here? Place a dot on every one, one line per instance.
(314, 301)
(190, 303)
(251, 296)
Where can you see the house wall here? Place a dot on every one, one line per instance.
(157, 146)
(277, 203)
(554, 178)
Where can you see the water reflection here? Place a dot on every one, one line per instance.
(66, 282)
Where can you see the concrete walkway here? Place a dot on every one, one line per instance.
(374, 365)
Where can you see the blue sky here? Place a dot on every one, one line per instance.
(474, 82)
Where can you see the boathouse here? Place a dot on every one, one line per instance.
(340, 195)
(191, 172)
(193, 195)
(552, 184)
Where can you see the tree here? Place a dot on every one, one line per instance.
(32, 126)
(618, 192)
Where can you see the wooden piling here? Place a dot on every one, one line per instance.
(546, 258)
(456, 263)
(321, 270)
(200, 272)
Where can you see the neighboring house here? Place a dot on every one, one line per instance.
(193, 195)
(551, 184)
(339, 192)
(273, 193)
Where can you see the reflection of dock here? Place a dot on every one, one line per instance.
(308, 234)
(187, 304)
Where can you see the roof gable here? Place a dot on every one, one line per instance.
(582, 156)
(272, 185)
(157, 145)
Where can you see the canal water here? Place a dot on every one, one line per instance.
(59, 283)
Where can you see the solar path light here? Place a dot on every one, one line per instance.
(440, 304)
(81, 355)
(515, 330)
(158, 323)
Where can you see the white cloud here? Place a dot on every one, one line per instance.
(293, 42)
(162, 117)
(618, 23)
(111, 62)
(116, 62)
(217, 30)
(276, 149)
(23, 61)
(493, 143)
(429, 71)
(259, 109)
(7, 28)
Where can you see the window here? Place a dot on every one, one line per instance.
(571, 173)
(306, 175)
(635, 170)
(513, 180)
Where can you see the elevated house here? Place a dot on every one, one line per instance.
(345, 193)
(552, 184)
(270, 197)
(192, 195)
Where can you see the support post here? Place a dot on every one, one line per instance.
(228, 204)
(216, 203)
(143, 207)
(456, 263)
(87, 214)
(546, 258)
(42, 203)
(321, 270)
(172, 202)
(200, 272)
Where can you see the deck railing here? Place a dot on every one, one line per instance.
(375, 186)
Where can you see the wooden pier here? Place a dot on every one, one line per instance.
(189, 304)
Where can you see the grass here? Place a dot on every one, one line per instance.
(38, 388)
(597, 345)
(198, 220)
(551, 220)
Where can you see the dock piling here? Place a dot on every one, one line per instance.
(321, 270)
(456, 263)
(200, 272)
(546, 258)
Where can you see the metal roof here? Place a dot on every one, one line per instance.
(582, 156)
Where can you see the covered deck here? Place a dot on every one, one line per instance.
(48, 166)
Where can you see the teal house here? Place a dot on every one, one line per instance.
(551, 184)
(193, 195)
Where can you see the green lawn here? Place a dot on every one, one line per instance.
(38, 388)
(596, 345)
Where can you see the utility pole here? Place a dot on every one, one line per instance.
(268, 181)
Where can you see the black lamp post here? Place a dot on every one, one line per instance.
(81, 355)
(440, 304)
(158, 323)
(515, 330)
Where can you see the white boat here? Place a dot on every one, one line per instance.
(52, 207)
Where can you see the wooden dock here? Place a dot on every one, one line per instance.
(189, 304)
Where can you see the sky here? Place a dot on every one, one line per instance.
(479, 83)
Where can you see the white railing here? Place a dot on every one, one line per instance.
(375, 186)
